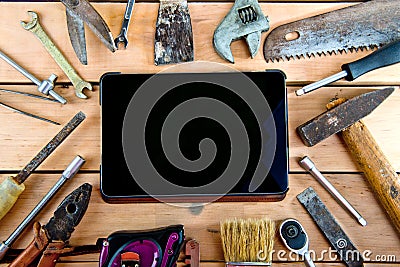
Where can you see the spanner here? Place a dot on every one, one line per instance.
(35, 27)
(246, 20)
(122, 37)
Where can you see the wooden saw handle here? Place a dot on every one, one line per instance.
(380, 174)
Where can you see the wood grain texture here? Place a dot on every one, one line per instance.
(139, 57)
(22, 137)
(379, 172)
(108, 218)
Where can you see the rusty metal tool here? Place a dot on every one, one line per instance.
(80, 12)
(51, 239)
(330, 228)
(12, 187)
(362, 26)
(296, 239)
(34, 26)
(122, 38)
(45, 87)
(245, 20)
(309, 166)
(345, 117)
(27, 113)
(68, 173)
(387, 55)
(192, 253)
(173, 42)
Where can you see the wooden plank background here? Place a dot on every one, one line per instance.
(21, 137)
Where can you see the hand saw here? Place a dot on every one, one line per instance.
(367, 25)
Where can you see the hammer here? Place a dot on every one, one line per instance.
(345, 116)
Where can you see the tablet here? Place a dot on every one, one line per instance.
(194, 137)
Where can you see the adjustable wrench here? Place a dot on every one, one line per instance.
(122, 37)
(35, 27)
(245, 20)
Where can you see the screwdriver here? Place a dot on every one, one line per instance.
(12, 187)
(387, 55)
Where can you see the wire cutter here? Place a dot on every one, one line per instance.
(78, 12)
(51, 240)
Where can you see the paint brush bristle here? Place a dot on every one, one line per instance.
(248, 240)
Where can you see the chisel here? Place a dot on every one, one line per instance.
(387, 55)
(12, 187)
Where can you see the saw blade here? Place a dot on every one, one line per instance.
(367, 25)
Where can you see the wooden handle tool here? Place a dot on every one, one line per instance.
(380, 174)
(344, 117)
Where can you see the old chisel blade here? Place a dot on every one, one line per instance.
(173, 42)
(76, 30)
(50, 147)
(332, 121)
(366, 25)
(330, 228)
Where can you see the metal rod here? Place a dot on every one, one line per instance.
(314, 86)
(19, 68)
(27, 114)
(28, 94)
(68, 173)
(309, 166)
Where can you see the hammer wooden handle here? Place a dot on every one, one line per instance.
(380, 174)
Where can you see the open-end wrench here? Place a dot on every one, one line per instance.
(35, 27)
(122, 37)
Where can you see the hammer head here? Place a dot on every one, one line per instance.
(342, 116)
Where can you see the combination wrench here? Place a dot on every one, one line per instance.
(122, 37)
(35, 27)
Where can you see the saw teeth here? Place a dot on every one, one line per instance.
(284, 58)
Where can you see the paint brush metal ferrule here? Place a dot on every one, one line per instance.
(309, 166)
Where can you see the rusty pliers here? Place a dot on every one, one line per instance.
(51, 240)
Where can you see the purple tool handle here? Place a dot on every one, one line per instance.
(169, 251)
(148, 251)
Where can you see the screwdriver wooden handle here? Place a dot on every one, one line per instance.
(380, 174)
(9, 193)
